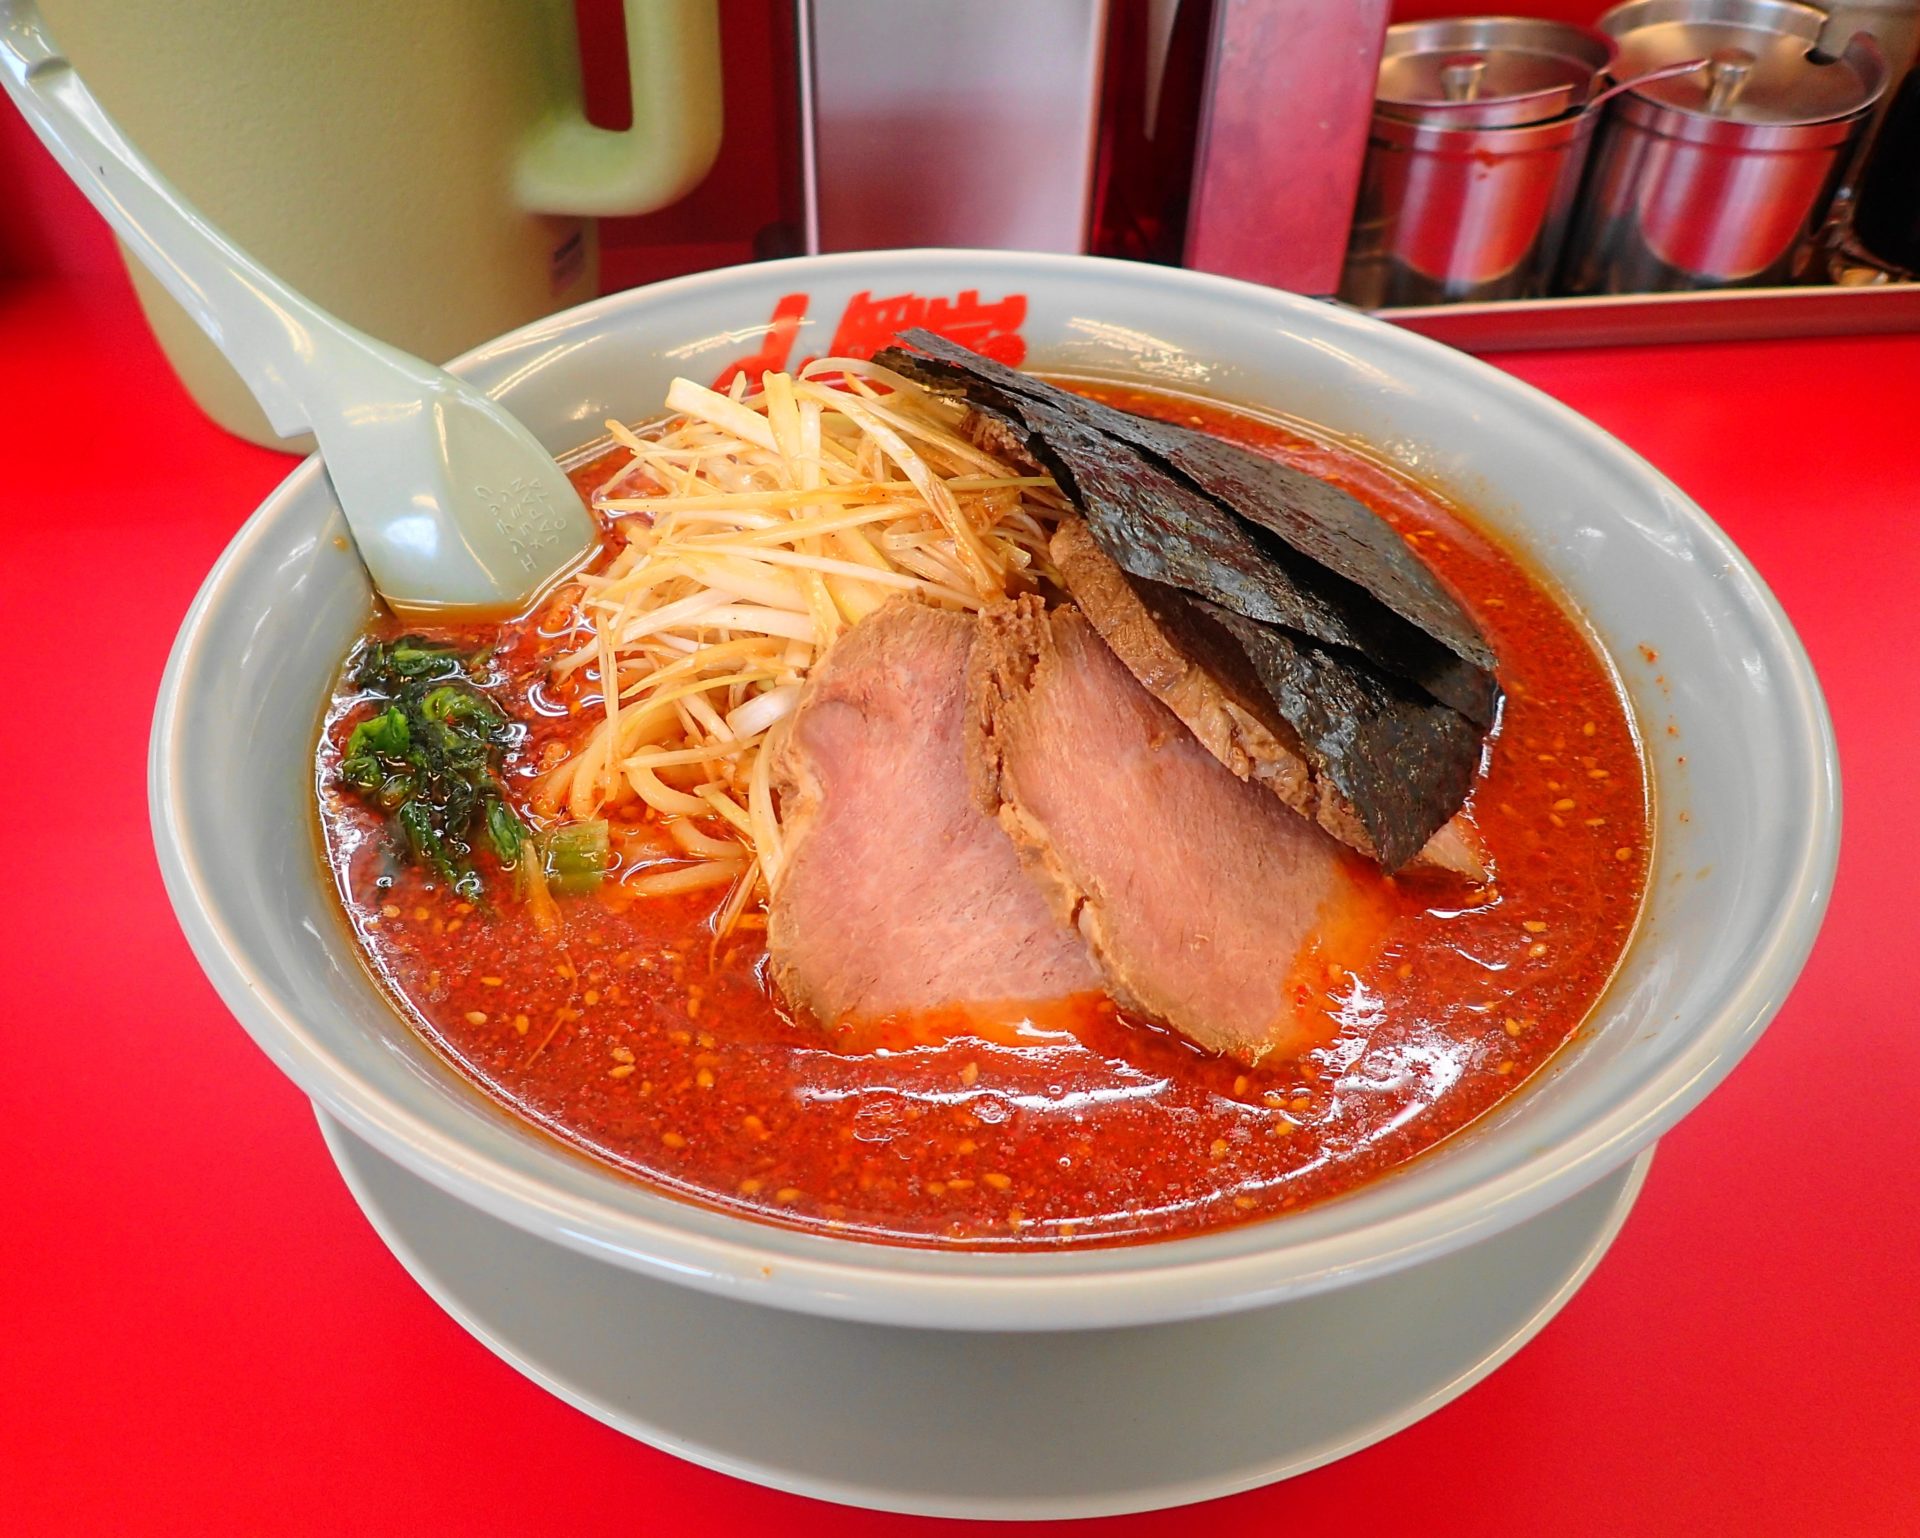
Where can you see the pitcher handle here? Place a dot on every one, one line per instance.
(673, 61)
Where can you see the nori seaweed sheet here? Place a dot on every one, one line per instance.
(1389, 697)
(1358, 584)
(1402, 758)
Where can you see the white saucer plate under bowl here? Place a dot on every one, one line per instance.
(961, 1424)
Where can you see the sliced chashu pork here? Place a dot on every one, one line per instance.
(1208, 904)
(898, 893)
(1198, 671)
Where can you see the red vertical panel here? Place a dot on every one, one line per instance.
(1285, 133)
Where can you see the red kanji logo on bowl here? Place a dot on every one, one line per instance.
(782, 328)
(989, 326)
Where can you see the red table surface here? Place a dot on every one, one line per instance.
(199, 1333)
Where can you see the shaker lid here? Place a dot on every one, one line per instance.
(1487, 71)
(1762, 66)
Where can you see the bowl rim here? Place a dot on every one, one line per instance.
(1156, 1281)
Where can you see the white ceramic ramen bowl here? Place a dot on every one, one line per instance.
(1746, 795)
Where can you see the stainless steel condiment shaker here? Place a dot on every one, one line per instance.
(1475, 150)
(1717, 178)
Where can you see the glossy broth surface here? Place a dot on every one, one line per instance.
(634, 1037)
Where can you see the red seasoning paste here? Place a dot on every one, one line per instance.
(630, 1035)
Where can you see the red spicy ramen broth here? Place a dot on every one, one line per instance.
(630, 1035)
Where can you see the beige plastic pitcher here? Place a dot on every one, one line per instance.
(422, 168)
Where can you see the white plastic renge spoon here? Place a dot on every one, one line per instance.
(452, 502)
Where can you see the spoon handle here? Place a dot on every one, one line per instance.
(266, 330)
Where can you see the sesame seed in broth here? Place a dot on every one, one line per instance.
(633, 1036)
